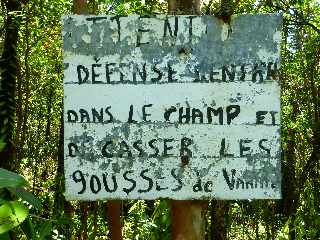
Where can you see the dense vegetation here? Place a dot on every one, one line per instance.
(31, 129)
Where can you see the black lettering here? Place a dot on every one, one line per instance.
(223, 149)
(178, 178)
(197, 187)
(185, 116)
(168, 112)
(97, 116)
(229, 181)
(122, 76)
(105, 183)
(94, 74)
(240, 181)
(130, 120)
(156, 150)
(257, 71)
(249, 183)
(109, 72)
(82, 69)
(171, 73)
(144, 114)
(117, 18)
(167, 27)
(96, 19)
(166, 148)
(196, 113)
(84, 115)
(226, 72)
(134, 183)
(260, 117)
(264, 183)
(159, 187)
(142, 73)
(124, 148)
(109, 114)
(72, 116)
(200, 77)
(263, 147)
(73, 149)
(212, 74)
(243, 72)
(142, 174)
(273, 118)
(140, 32)
(272, 73)
(208, 186)
(104, 151)
(244, 148)
(184, 150)
(215, 112)
(80, 179)
(136, 146)
(139, 36)
(190, 28)
(94, 179)
(232, 112)
(160, 74)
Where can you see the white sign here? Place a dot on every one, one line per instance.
(180, 107)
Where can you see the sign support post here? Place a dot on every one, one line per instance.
(187, 215)
(114, 220)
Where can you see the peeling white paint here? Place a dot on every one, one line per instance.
(125, 122)
(266, 56)
(86, 38)
(101, 37)
(277, 38)
(224, 31)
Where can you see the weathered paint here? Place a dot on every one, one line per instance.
(135, 78)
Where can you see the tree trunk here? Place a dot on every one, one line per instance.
(9, 66)
(218, 222)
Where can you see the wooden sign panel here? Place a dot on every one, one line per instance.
(180, 107)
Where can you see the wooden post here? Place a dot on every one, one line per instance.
(184, 7)
(113, 212)
(188, 222)
(80, 6)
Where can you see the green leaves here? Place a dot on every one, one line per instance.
(12, 214)
(11, 180)
(14, 183)
(45, 230)
(28, 229)
(28, 197)
(2, 143)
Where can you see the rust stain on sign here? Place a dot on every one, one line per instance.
(169, 107)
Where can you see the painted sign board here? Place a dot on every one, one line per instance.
(179, 107)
